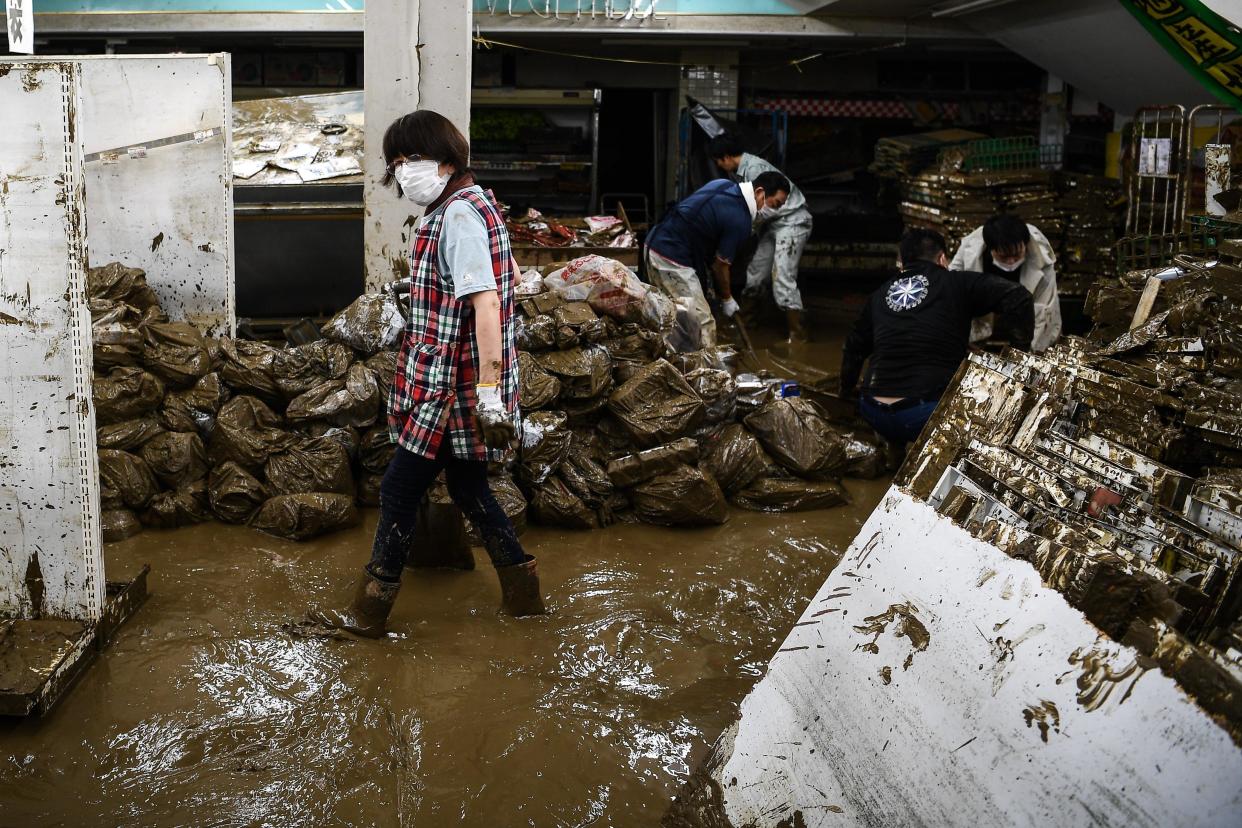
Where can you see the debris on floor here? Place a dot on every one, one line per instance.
(290, 439)
(1113, 466)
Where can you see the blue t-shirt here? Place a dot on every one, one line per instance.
(712, 221)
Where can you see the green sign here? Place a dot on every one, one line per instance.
(1203, 41)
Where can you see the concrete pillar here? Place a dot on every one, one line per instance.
(417, 56)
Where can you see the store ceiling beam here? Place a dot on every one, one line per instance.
(756, 27)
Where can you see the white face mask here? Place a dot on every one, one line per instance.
(765, 212)
(1009, 267)
(420, 181)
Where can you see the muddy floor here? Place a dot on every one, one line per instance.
(204, 711)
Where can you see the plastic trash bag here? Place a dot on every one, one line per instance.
(656, 405)
(734, 457)
(118, 524)
(303, 516)
(375, 450)
(117, 282)
(772, 494)
(348, 437)
(369, 489)
(539, 389)
(249, 368)
(537, 333)
(553, 504)
(371, 323)
(864, 457)
(125, 394)
(128, 476)
(511, 500)
(175, 458)
(176, 353)
(115, 343)
(129, 435)
(544, 443)
(793, 431)
(183, 506)
(247, 432)
(299, 369)
(384, 366)
(717, 390)
(352, 401)
(194, 409)
(585, 373)
(686, 496)
(234, 493)
(631, 469)
(320, 464)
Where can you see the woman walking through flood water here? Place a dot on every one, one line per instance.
(453, 402)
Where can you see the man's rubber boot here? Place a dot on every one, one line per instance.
(519, 588)
(750, 306)
(797, 333)
(366, 613)
(440, 539)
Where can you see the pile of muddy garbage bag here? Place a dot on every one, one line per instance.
(291, 439)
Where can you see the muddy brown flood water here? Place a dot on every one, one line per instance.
(203, 711)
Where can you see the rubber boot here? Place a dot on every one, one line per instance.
(440, 539)
(519, 588)
(750, 306)
(797, 333)
(366, 613)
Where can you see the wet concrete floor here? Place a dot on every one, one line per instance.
(204, 711)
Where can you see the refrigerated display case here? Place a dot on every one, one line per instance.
(538, 147)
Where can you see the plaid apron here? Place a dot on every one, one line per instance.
(432, 393)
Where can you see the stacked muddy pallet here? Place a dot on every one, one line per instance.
(291, 439)
(1091, 217)
(1114, 465)
(955, 203)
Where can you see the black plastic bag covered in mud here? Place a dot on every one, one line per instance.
(686, 496)
(375, 450)
(320, 464)
(128, 476)
(116, 338)
(124, 394)
(249, 368)
(656, 405)
(117, 282)
(352, 401)
(183, 506)
(717, 390)
(734, 457)
(128, 435)
(775, 494)
(303, 516)
(194, 409)
(234, 493)
(369, 490)
(585, 373)
(175, 352)
(298, 370)
(799, 438)
(247, 432)
(539, 388)
(176, 458)
(371, 323)
(553, 504)
(118, 524)
(544, 443)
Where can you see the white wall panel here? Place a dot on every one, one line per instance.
(50, 558)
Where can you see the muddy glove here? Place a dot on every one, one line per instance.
(729, 307)
(492, 418)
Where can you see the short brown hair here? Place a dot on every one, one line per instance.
(427, 134)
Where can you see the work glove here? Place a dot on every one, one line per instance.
(492, 418)
(729, 307)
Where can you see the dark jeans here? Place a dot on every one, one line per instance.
(900, 424)
(407, 480)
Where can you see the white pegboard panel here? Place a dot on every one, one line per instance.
(50, 554)
(156, 136)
